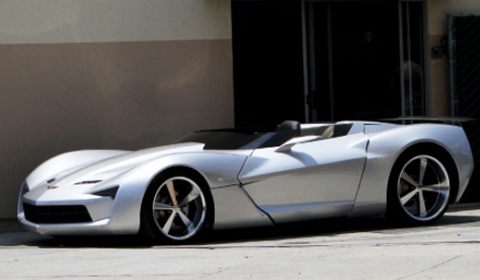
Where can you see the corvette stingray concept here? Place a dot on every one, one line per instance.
(231, 178)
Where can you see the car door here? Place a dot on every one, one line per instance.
(316, 179)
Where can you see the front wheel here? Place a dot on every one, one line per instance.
(176, 209)
(419, 188)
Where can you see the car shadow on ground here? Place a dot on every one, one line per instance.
(326, 228)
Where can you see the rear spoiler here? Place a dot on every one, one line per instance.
(445, 120)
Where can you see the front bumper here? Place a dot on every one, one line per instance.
(101, 227)
(59, 212)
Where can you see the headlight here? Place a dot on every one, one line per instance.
(23, 189)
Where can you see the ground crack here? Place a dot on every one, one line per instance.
(429, 268)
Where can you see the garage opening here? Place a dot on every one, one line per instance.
(328, 60)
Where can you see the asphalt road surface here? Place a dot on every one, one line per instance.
(332, 249)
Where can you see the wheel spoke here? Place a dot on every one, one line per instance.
(190, 197)
(406, 198)
(438, 188)
(169, 222)
(179, 208)
(409, 179)
(422, 188)
(421, 205)
(162, 206)
(423, 168)
(186, 221)
(171, 191)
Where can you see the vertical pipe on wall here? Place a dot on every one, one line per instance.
(307, 41)
(402, 74)
(451, 52)
(409, 59)
(330, 60)
(426, 55)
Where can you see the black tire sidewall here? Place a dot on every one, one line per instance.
(395, 211)
(149, 227)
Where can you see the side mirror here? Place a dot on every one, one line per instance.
(287, 146)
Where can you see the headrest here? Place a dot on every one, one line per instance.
(289, 126)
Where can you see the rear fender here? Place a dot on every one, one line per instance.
(384, 149)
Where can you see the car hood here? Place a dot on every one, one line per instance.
(105, 169)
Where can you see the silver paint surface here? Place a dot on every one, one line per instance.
(324, 174)
(333, 177)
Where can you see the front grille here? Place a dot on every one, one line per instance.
(65, 214)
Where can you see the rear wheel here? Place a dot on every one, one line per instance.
(419, 188)
(176, 209)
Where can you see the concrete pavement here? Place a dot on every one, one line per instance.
(332, 249)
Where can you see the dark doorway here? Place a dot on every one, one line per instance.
(463, 35)
(268, 62)
(413, 56)
(327, 60)
(355, 53)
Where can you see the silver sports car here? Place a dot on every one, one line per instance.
(231, 178)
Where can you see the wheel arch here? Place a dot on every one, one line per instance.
(196, 175)
(442, 153)
(386, 147)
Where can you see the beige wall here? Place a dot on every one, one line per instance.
(437, 21)
(107, 74)
(70, 21)
(438, 10)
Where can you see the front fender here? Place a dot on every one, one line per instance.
(219, 170)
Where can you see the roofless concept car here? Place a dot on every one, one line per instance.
(221, 179)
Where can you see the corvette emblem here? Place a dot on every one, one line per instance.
(51, 187)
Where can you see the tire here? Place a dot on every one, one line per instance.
(419, 188)
(177, 208)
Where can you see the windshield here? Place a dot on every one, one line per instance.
(226, 140)
(260, 137)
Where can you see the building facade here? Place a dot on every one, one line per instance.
(349, 59)
(122, 74)
(114, 74)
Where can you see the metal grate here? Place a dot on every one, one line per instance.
(464, 42)
(65, 214)
(464, 37)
